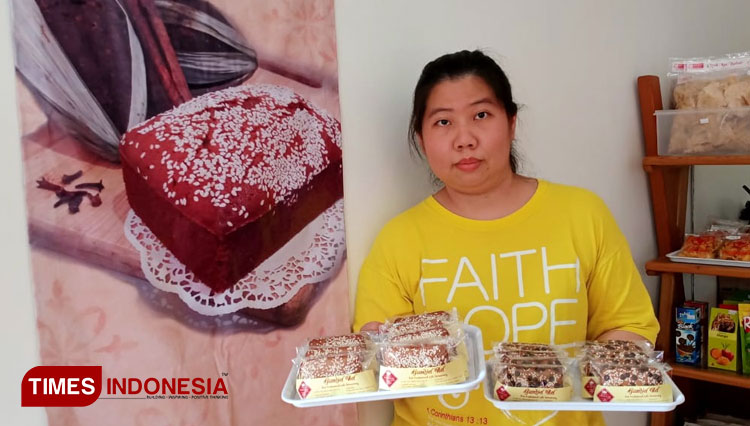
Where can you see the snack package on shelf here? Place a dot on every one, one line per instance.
(718, 89)
(530, 372)
(702, 246)
(744, 319)
(722, 339)
(710, 82)
(336, 365)
(725, 240)
(621, 352)
(688, 335)
(623, 382)
(703, 323)
(728, 226)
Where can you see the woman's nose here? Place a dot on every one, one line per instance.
(465, 139)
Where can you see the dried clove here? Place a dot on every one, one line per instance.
(75, 202)
(73, 198)
(66, 179)
(66, 196)
(49, 186)
(99, 186)
(96, 201)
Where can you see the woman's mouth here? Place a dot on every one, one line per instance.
(468, 164)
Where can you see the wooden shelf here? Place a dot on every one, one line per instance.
(694, 160)
(711, 375)
(663, 264)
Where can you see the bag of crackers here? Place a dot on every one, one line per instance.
(336, 365)
(422, 350)
(530, 372)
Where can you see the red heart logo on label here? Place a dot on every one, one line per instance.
(389, 378)
(502, 394)
(604, 396)
(304, 390)
(590, 386)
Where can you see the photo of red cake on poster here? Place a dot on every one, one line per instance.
(184, 187)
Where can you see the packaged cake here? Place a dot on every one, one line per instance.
(530, 372)
(619, 352)
(336, 345)
(620, 381)
(336, 365)
(421, 350)
(417, 323)
(416, 364)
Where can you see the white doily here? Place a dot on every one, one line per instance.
(312, 256)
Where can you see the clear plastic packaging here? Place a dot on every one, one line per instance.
(530, 372)
(419, 322)
(623, 382)
(710, 82)
(421, 362)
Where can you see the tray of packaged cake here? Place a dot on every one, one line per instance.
(418, 355)
(592, 376)
(724, 243)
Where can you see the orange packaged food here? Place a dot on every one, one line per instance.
(703, 246)
(735, 249)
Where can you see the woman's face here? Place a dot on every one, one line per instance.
(466, 135)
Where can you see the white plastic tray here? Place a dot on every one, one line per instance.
(477, 371)
(674, 257)
(577, 403)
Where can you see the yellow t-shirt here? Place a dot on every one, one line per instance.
(558, 270)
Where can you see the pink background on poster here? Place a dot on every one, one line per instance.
(91, 311)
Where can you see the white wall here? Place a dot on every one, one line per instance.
(20, 348)
(573, 66)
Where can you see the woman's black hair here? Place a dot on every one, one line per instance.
(452, 66)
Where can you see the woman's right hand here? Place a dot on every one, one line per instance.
(372, 326)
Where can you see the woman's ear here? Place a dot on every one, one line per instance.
(513, 127)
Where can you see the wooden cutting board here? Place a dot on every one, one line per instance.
(95, 234)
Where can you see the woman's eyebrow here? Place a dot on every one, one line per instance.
(484, 101)
(434, 111)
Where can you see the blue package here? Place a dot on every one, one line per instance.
(688, 336)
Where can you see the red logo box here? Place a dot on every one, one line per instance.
(61, 386)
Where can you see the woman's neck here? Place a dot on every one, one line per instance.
(503, 199)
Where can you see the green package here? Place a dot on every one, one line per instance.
(744, 317)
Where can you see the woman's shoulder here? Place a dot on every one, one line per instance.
(576, 199)
(574, 194)
(406, 220)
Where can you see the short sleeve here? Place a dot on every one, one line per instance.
(617, 297)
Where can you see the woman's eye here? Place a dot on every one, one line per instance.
(482, 115)
(443, 122)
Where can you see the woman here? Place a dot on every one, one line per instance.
(521, 258)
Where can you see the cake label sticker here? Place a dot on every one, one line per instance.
(511, 393)
(392, 378)
(659, 393)
(344, 384)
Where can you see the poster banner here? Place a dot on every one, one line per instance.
(183, 181)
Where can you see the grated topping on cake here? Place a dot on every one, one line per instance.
(354, 339)
(248, 147)
(329, 366)
(415, 356)
(432, 333)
